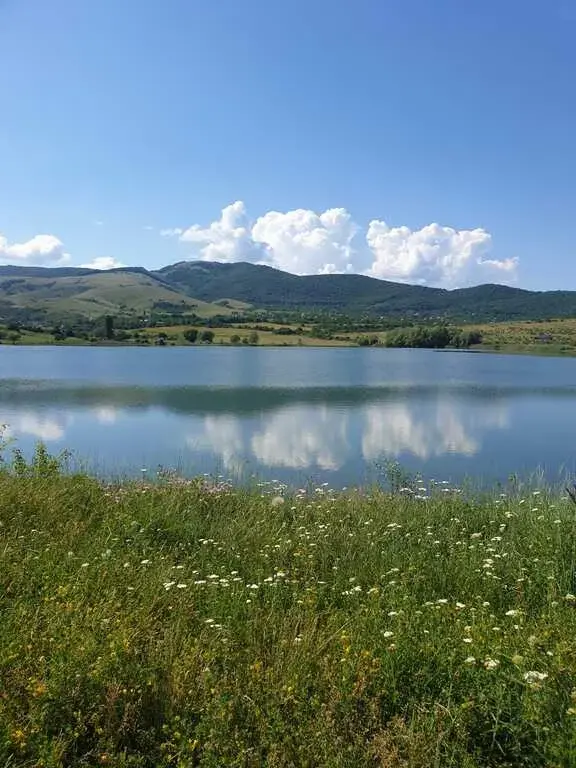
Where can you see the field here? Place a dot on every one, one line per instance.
(265, 338)
(192, 624)
(551, 337)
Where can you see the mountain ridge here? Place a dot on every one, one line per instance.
(126, 289)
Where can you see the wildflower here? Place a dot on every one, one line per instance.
(84, 565)
(467, 640)
(181, 586)
(491, 663)
(460, 606)
(570, 598)
(388, 633)
(533, 676)
(144, 562)
(277, 501)
(470, 660)
(168, 585)
(475, 535)
(512, 612)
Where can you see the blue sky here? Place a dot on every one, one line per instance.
(341, 131)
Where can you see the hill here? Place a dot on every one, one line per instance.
(63, 292)
(210, 288)
(264, 286)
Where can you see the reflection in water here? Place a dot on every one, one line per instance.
(301, 437)
(44, 428)
(445, 427)
(305, 437)
(293, 414)
(340, 431)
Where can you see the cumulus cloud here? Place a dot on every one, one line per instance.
(41, 250)
(434, 255)
(305, 242)
(228, 239)
(103, 262)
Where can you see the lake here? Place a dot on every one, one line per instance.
(323, 415)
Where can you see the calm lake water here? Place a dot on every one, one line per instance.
(294, 415)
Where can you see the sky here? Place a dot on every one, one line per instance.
(410, 140)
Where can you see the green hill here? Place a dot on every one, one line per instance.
(209, 288)
(263, 286)
(90, 293)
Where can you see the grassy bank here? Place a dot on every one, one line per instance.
(186, 624)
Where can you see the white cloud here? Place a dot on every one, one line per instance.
(228, 239)
(41, 250)
(434, 255)
(103, 262)
(305, 242)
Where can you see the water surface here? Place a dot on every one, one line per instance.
(294, 415)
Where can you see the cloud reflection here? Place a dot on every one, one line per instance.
(326, 438)
(45, 428)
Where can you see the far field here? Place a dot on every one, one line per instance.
(551, 337)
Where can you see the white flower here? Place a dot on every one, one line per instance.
(469, 660)
(277, 501)
(388, 633)
(512, 612)
(467, 640)
(181, 586)
(535, 677)
(491, 663)
(144, 562)
(460, 606)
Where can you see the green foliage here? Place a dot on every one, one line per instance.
(42, 464)
(432, 337)
(207, 337)
(186, 624)
(191, 335)
(109, 327)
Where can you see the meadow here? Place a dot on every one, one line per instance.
(166, 622)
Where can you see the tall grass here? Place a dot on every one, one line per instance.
(185, 625)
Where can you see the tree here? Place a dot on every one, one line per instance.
(207, 337)
(235, 339)
(253, 339)
(191, 335)
(109, 327)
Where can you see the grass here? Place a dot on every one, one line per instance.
(97, 294)
(175, 334)
(551, 337)
(193, 624)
